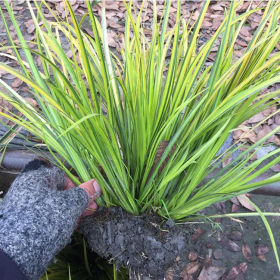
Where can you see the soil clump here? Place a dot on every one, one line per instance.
(146, 244)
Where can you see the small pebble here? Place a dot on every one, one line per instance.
(218, 253)
(236, 236)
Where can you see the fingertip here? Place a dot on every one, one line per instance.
(93, 205)
(92, 189)
(90, 210)
(96, 187)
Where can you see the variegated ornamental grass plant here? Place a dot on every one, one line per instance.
(107, 115)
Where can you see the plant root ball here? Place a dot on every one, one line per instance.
(146, 244)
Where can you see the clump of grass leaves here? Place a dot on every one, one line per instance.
(109, 115)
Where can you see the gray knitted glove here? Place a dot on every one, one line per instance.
(37, 217)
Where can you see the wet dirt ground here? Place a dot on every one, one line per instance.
(222, 242)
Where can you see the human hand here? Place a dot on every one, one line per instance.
(39, 214)
(93, 190)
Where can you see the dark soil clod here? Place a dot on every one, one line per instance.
(146, 244)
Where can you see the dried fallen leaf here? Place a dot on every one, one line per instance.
(243, 199)
(16, 83)
(243, 7)
(111, 42)
(246, 251)
(31, 29)
(248, 134)
(207, 24)
(31, 101)
(267, 112)
(257, 118)
(235, 208)
(235, 271)
(253, 138)
(111, 17)
(277, 119)
(274, 126)
(65, 14)
(245, 32)
(169, 274)
(114, 25)
(195, 15)
(265, 130)
(211, 273)
(217, 8)
(261, 249)
(8, 76)
(190, 268)
(275, 168)
(261, 258)
(60, 7)
(235, 200)
(237, 134)
(75, 7)
(236, 235)
(5, 105)
(241, 43)
(173, 10)
(270, 121)
(193, 256)
(112, 7)
(197, 234)
(227, 160)
(81, 11)
(230, 245)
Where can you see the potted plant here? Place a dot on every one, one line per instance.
(147, 124)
